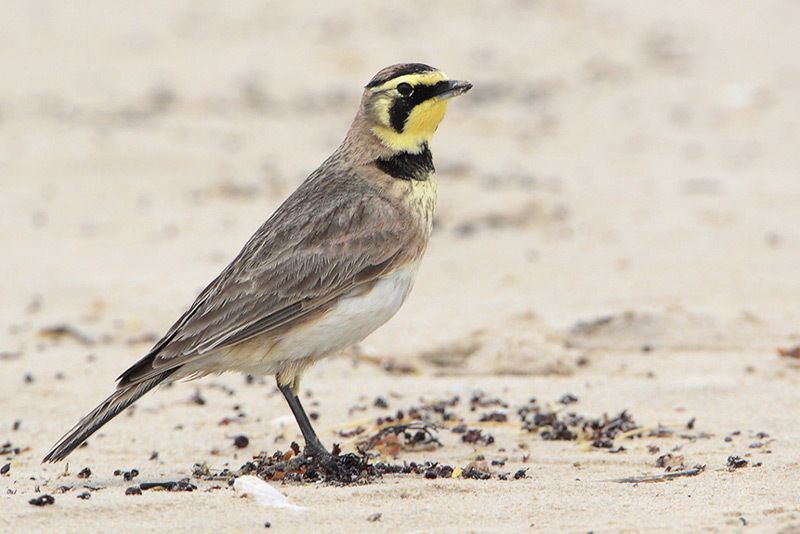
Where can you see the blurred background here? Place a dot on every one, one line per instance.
(618, 218)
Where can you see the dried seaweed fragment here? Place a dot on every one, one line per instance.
(559, 426)
(694, 471)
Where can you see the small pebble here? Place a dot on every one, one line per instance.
(42, 500)
(735, 462)
(568, 398)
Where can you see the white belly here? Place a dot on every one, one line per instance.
(351, 320)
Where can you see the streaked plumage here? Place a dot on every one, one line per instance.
(333, 263)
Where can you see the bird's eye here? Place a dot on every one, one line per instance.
(405, 89)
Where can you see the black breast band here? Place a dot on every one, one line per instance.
(407, 166)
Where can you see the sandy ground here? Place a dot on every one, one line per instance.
(618, 220)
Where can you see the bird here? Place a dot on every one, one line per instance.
(334, 262)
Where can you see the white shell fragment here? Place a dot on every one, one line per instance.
(262, 493)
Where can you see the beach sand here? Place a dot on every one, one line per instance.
(617, 221)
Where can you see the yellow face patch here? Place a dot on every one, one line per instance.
(422, 121)
(419, 129)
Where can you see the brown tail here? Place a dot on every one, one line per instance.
(124, 396)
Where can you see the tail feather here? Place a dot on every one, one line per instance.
(123, 397)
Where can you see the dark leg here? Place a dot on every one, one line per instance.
(314, 446)
(346, 468)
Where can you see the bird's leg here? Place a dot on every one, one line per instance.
(314, 446)
(345, 468)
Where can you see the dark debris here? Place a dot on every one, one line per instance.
(568, 398)
(351, 433)
(9, 448)
(792, 352)
(480, 400)
(736, 462)
(558, 426)
(353, 468)
(290, 467)
(180, 485)
(494, 417)
(241, 441)
(392, 439)
(197, 398)
(43, 500)
(476, 436)
(126, 475)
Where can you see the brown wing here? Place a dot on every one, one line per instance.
(318, 245)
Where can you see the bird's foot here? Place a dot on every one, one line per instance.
(339, 468)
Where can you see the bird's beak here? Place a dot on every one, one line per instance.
(453, 88)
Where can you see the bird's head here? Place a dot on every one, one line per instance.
(404, 104)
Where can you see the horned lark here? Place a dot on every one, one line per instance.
(332, 264)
